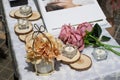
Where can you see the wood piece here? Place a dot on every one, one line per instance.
(35, 16)
(29, 45)
(23, 31)
(12, 13)
(29, 41)
(23, 36)
(83, 63)
(68, 60)
(19, 15)
(29, 36)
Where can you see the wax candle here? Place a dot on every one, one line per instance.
(99, 54)
(69, 51)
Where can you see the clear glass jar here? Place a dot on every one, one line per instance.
(69, 51)
(99, 53)
(45, 66)
(23, 23)
(25, 10)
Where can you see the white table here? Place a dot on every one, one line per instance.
(102, 70)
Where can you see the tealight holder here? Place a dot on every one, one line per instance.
(100, 54)
(23, 23)
(25, 10)
(44, 67)
(69, 51)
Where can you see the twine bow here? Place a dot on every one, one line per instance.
(41, 30)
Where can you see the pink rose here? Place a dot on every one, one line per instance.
(69, 35)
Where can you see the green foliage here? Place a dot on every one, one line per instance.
(105, 38)
(92, 38)
(96, 32)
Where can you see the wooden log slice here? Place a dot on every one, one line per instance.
(35, 16)
(23, 31)
(12, 13)
(83, 63)
(23, 36)
(28, 37)
(29, 45)
(68, 60)
(29, 42)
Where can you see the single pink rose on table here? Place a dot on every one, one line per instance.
(82, 28)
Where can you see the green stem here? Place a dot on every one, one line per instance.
(112, 50)
(110, 45)
(95, 39)
(106, 46)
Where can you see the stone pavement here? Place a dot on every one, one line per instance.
(6, 67)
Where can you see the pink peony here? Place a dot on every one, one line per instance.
(74, 36)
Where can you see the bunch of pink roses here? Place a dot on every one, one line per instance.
(75, 36)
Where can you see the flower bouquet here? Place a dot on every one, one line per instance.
(42, 48)
(85, 35)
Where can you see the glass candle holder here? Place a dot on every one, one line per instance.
(69, 51)
(45, 67)
(99, 54)
(25, 10)
(23, 23)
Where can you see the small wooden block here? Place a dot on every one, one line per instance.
(23, 31)
(83, 63)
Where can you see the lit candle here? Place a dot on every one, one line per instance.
(99, 54)
(69, 51)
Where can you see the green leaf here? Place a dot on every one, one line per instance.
(96, 32)
(105, 38)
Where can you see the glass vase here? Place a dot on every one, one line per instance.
(45, 66)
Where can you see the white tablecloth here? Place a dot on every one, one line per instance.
(102, 70)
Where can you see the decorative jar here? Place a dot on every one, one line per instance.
(23, 23)
(44, 67)
(69, 51)
(99, 53)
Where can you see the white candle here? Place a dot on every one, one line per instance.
(99, 54)
(69, 49)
